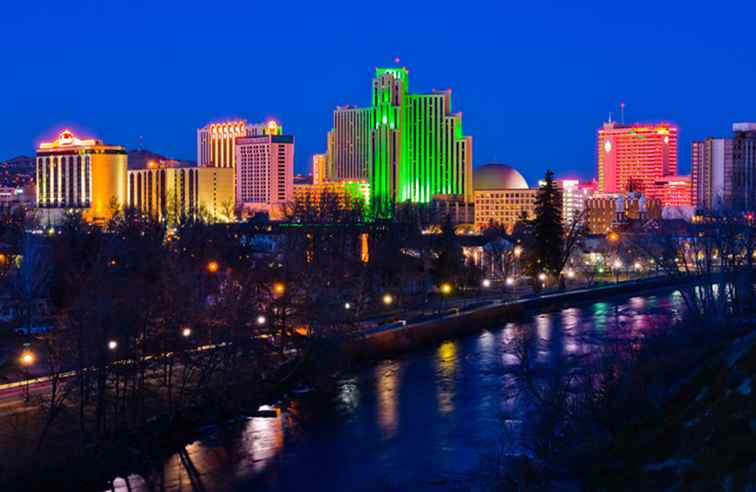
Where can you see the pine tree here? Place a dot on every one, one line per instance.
(548, 233)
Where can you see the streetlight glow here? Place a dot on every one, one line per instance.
(510, 281)
(617, 264)
(347, 305)
(518, 251)
(388, 299)
(186, 332)
(112, 345)
(279, 288)
(541, 276)
(261, 320)
(486, 283)
(27, 358)
(446, 289)
(213, 266)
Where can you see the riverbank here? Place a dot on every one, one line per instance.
(392, 339)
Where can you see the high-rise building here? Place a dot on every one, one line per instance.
(215, 141)
(633, 157)
(265, 173)
(711, 173)
(175, 193)
(410, 146)
(417, 147)
(349, 143)
(80, 174)
(744, 166)
(319, 171)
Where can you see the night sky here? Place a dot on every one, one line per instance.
(534, 80)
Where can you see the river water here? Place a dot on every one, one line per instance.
(428, 420)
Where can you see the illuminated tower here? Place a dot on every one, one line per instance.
(215, 141)
(634, 157)
(417, 149)
(80, 174)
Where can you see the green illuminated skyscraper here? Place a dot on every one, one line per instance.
(416, 147)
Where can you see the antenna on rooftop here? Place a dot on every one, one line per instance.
(141, 142)
(622, 112)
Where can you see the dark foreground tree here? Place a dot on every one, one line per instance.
(548, 233)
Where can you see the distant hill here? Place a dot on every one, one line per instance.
(139, 159)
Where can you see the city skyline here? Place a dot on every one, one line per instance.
(503, 103)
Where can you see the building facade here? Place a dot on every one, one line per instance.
(606, 213)
(347, 193)
(84, 175)
(409, 146)
(711, 173)
(349, 143)
(176, 193)
(574, 196)
(215, 141)
(673, 191)
(265, 174)
(744, 166)
(319, 168)
(633, 157)
(454, 207)
(417, 146)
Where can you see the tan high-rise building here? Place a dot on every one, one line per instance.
(176, 193)
(75, 174)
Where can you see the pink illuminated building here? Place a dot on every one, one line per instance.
(674, 191)
(633, 157)
(265, 174)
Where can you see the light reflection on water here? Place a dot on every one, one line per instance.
(415, 422)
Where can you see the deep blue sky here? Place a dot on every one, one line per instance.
(533, 79)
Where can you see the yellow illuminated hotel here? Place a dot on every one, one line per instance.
(176, 193)
(84, 175)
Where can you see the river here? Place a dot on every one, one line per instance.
(428, 420)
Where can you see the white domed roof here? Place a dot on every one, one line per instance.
(497, 176)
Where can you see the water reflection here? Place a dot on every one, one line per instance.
(400, 424)
(388, 377)
(446, 365)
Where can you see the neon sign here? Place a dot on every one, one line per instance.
(66, 138)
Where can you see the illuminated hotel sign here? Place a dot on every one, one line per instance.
(66, 138)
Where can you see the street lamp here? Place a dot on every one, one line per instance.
(347, 306)
(446, 289)
(27, 359)
(261, 320)
(186, 332)
(486, 283)
(388, 299)
(279, 288)
(570, 273)
(212, 266)
(112, 345)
